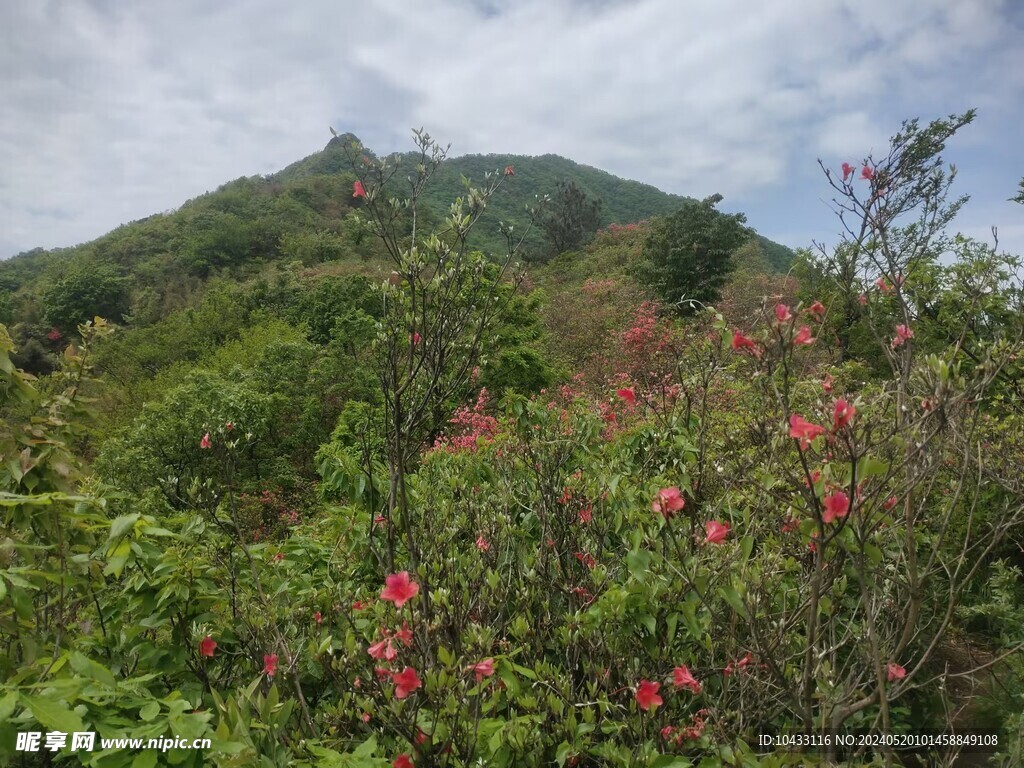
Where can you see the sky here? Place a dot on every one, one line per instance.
(117, 109)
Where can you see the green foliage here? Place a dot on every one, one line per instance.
(85, 291)
(688, 255)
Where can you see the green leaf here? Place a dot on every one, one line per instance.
(91, 669)
(54, 716)
(150, 711)
(746, 547)
(122, 525)
(7, 704)
(732, 596)
(145, 759)
(638, 562)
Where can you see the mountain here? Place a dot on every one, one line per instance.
(301, 213)
(622, 201)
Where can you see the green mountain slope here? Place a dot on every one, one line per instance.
(299, 214)
(623, 201)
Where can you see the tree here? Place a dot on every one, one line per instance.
(571, 218)
(438, 303)
(84, 292)
(688, 255)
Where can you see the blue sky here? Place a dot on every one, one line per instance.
(117, 110)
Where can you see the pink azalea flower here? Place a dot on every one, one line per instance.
(399, 589)
(406, 682)
(628, 395)
(404, 635)
(358, 190)
(647, 695)
(836, 506)
(668, 502)
(803, 336)
(482, 669)
(895, 672)
(270, 664)
(715, 532)
(817, 310)
(803, 430)
(847, 171)
(683, 678)
(782, 313)
(842, 415)
(741, 342)
(867, 173)
(207, 646)
(510, 171)
(205, 442)
(903, 333)
(385, 650)
(482, 544)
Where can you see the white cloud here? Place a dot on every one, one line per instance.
(115, 111)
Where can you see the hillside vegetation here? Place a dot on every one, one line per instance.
(353, 475)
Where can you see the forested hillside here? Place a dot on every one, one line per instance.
(351, 466)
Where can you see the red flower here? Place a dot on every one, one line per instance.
(482, 669)
(279, 557)
(404, 635)
(847, 171)
(715, 532)
(270, 664)
(383, 650)
(586, 558)
(403, 761)
(741, 342)
(357, 190)
(804, 430)
(867, 173)
(782, 313)
(229, 425)
(740, 664)
(207, 646)
(903, 333)
(358, 605)
(836, 505)
(896, 672)
(586, 515)
(826, 384)
(482, 544)
(889, 503)
(416, 338)
(647, 695)
(205, 442)
(863, 299)
(366, 715)
(406, 682)
(399, 589)
(803, 336)
(883, 285)
(318, 617)
(510, 171)
(54, 335)
(816, 310)
(843, 414)
(683, 678)
(668, 502)
(628, 395)
(421, 737)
